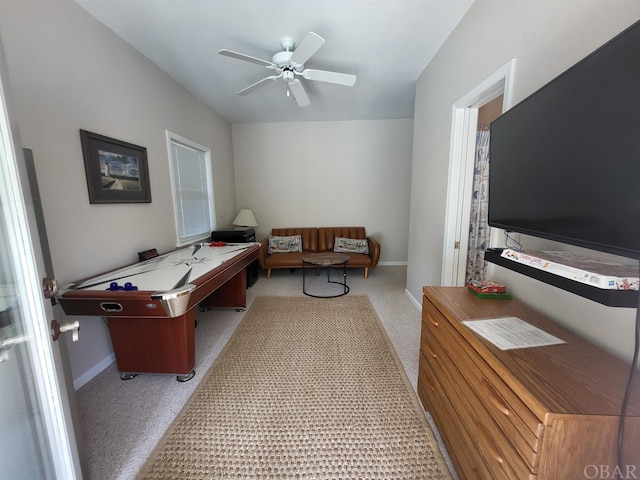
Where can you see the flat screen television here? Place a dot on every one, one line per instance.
(565, 162)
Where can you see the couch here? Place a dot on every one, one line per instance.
(285, 247)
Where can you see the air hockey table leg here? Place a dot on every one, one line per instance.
(156, 346)
(187, 377)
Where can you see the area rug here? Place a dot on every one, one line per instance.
(306, 388)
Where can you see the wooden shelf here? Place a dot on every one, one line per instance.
(611, 298)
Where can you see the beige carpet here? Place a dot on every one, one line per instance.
(306, 388)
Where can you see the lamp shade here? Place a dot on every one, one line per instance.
(245, 218)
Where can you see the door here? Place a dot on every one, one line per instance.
(37, 438)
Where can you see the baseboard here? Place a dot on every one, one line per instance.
(415, 302)
(392, 264)
(87, 376)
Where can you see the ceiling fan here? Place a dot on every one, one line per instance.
(289, 65)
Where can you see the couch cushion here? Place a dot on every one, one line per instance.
(360, 260)
(327, 236)
(294, 260)
(291, 243)
(284, 260)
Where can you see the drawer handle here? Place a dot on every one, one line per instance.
(495, 398)
(433, 321)
(493, 450)
(429, 350)
(429, 383)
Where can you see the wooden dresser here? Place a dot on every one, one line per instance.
(533, 413)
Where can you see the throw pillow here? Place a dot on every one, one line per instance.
(351, 245)
(285, 244)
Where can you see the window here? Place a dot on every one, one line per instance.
(192, 183)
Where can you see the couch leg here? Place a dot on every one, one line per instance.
(366, 272)
(268, 273)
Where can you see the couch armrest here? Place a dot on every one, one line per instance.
(374, 251)
(264, 248)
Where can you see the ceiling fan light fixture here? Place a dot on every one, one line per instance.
(288, 76)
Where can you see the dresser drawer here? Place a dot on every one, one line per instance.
(460, 446)
(496, 449)
(506, 409)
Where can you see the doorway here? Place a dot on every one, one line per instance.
(461, 169)
(479, 230)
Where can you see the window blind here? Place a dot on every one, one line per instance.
(192, 192)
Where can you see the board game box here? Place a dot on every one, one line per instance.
(486, 286)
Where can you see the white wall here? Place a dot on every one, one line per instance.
(328, 174)
(545, 37)
(69, 72)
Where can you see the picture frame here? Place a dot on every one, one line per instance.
(117, 171)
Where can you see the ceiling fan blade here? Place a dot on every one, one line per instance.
(258, 84)
(247, 58)
(309, 45)
(330, 77)
(296, 88)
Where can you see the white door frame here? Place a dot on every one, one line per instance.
(461, 165)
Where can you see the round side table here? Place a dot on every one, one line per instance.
(328, 260)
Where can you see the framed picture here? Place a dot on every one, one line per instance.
(117, 172)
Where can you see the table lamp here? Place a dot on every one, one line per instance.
(245, 218)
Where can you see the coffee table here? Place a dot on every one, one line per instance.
(328, 260)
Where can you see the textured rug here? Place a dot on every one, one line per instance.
(306, 388)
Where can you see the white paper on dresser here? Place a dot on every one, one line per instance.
(508, 333)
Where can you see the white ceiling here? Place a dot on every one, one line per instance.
(385, 43)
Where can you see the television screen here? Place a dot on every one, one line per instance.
(565, 162)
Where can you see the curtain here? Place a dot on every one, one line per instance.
(478, 225)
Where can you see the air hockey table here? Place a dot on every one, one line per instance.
(150, 307)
